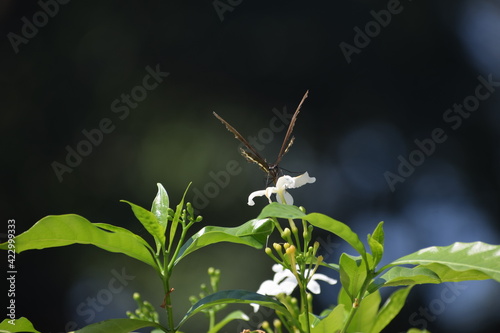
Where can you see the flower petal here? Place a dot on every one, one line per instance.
(285, 182)
(270, 190)
(270, 288)
(288, 285)
(252, 195)
(255, 307)
(278, 268)
(323, 277)
(288, 198)
(282, 275)
(314, 287)
(303, 179)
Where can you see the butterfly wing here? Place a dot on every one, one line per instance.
(288, 141)
(250, 154)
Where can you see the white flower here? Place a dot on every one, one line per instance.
(283, 183)
(284, 282)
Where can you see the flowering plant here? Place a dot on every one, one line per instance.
(358, 307)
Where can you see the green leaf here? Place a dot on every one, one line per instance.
(121, 325)
(235, 315)
(335, 267)
(459, 261)
(352, 274)
(416, 330)
(338, 228)
(376, 243)
(62, 230)
(150, 222)
(378, 233)
(446, 274)
(160, 207)
(331, 323)
(252, 233)
(344, 299)
(366, 314)
(390, 309)
(18, 325)
(233, 296)
(404, 276)
(116, 229)
(276, 209)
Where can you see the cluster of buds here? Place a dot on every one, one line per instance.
(291, 259)
(278, 326)
(144, 311)
(214, 275)
(187, 215)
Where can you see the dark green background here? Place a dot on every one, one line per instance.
(263, 55)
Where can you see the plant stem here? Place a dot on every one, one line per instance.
(168, 305)
(294, 230)
(305, 306)
(358, 301)
(211, 316)
(168, 267)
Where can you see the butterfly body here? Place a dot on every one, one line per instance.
(252, 155)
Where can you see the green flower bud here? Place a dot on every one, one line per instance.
(286, 234)
(277, 247)
(305, 233)
(148, 306)
(190, 209)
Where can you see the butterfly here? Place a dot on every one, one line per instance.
(251, 154)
